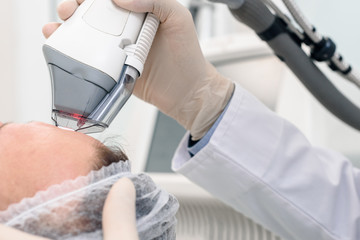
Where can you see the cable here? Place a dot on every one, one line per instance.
(285, 18)
(302, 21)
(320, 43)
(287, 45)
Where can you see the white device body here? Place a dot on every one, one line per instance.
(94, 59)
(99, 32)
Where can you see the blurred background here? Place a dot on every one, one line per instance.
(149, 137)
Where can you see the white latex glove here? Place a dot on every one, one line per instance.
(177, 79)
(119, 215)
(119, 220)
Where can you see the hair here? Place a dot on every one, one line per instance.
(108, 155)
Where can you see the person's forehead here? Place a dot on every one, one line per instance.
(35, 156)
(40, 127)
(45, 139)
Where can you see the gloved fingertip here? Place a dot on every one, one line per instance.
(66, 9)
(123, 3)
(49, 29)
(119, 215)
(122, 191)
(135, 5)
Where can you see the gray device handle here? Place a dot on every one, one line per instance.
(257, 16)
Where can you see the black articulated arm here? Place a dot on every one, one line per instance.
(287, 46)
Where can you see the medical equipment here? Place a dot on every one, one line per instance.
(94, 59)
(73, 209)
(291, 43)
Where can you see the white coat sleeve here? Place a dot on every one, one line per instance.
(264, 167)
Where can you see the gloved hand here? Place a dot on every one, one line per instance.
(119, 214)
(119, 220)
(176, 78)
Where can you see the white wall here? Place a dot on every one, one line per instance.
(7, 59)
(25, 92)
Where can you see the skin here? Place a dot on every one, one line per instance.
(35, 155)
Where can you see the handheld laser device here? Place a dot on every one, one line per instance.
(94, 59)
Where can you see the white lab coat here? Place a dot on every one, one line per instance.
(262, 166)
